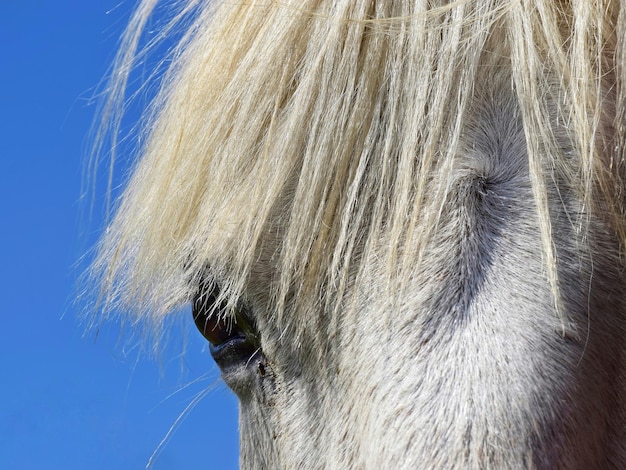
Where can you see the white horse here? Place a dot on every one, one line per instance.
(401, 225)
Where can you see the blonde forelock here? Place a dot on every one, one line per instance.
(316, 134)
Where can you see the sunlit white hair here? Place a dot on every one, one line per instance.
(332, 129)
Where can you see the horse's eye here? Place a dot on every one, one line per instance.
(210, 319)
(231, 336)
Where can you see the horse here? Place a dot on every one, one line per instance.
(401, 225)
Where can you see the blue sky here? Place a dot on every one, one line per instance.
(70, 400)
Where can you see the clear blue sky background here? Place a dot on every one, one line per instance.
(70, 401)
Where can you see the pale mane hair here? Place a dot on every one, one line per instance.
(331, 128)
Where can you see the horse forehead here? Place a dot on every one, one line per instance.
(491, 158)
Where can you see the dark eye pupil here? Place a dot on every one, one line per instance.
(231, 331)
(216, 329)
(210, 317)
(213, 321)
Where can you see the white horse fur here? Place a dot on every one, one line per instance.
(421, 205)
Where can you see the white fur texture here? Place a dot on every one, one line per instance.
(422, 206)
